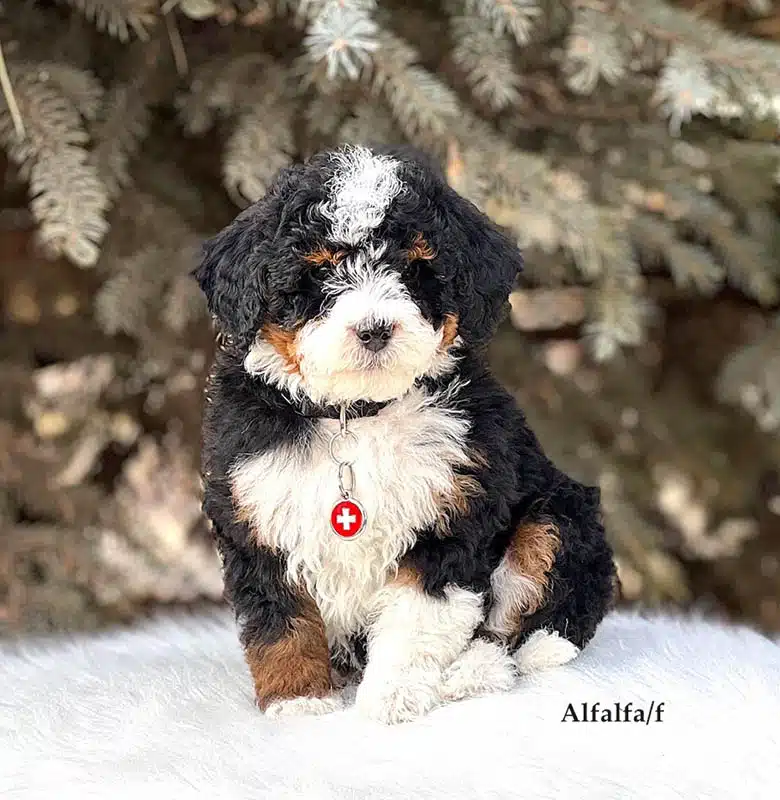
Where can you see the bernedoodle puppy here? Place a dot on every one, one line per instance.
(378, 500)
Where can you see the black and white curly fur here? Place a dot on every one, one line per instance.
(363, 280)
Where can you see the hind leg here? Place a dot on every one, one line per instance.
(556, 579)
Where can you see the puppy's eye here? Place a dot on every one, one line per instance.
(324, 256)
(419, 251)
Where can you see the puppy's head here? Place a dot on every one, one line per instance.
(359, 272)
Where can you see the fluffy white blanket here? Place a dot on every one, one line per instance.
(166, 712)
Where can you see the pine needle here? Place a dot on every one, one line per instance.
(177, 45)
(10, 99)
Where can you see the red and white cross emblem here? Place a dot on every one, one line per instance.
(347, 519)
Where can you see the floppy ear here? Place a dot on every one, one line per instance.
(485, 264)
(230, 275)
(232, 269)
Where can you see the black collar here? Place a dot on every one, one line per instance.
(359, 408)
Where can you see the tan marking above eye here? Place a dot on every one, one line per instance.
(324, 255)
(420, 250)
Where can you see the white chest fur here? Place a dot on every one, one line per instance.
(404, 462)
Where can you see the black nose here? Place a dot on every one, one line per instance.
(375, 337)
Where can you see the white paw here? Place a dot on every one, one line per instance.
(400, 699)
(302, 706)
(484, 667)
(544, 649)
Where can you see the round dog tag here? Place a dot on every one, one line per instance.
(347, 519)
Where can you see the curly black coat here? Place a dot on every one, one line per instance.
(521, 509)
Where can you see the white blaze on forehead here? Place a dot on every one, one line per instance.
(360, 192)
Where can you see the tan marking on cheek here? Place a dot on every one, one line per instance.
(449, 331)
(298, 665)
(420, 250)
(285, 343)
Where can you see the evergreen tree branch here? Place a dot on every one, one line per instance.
(260, 145)
(594, 50)
(617, 317)
(692, 266)
(226, 86)
(747, 263)
(120, 18)
(124, 117)
(118, 134)
(710, 71)
(68, 199)
(421, 104)
(81, 88)
(342, 36)
(486, 60)
(515, 17)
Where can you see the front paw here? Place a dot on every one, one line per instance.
(402, 698)
(303, 706)
(484, 667)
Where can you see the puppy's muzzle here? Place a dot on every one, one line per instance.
(374, 337)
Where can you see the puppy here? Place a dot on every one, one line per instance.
(378, 501)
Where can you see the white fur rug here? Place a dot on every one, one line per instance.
(166, 712)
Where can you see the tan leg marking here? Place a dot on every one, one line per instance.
(298, 665)
(520, 582)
